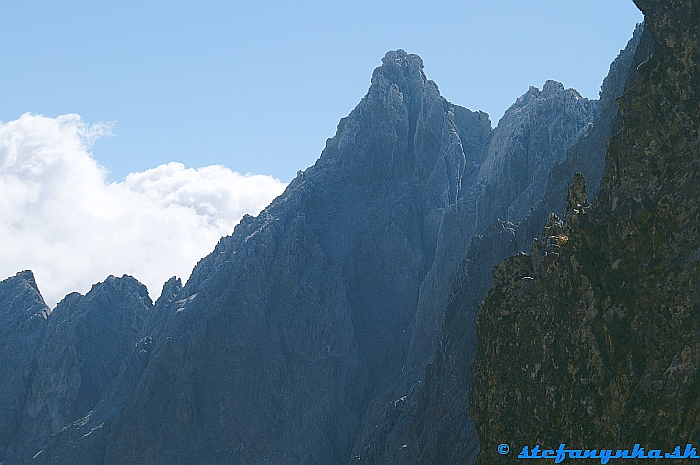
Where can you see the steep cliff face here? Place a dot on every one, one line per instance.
(587, 155)
(427, 422)
(86, 339)
(281, 336)
(286, 341)
(73, 355)
(534, 134)
(592, 340)
(382, 436)
(22, 323)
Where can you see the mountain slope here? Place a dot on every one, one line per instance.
(283, 333)
(58, 364)
(593, 340)
(428, 423)
(289, 335)
(23, 316)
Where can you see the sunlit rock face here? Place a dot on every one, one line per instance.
(592, 340)
(288, 340)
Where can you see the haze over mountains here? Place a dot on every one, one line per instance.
(314, 333)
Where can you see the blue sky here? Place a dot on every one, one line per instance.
(127, 128)
(258, 86)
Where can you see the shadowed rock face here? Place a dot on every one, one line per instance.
(534, 134)
(86, 340)
(281, 337)
(428, 422)
(592, 340)
(587, 155)
(287, 341)
(22, 323)
(65, 360)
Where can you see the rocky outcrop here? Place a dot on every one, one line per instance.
(282, 336)
(518, 138)
(290, 340)
(287, 340)
(591, 340)
(533, 135)
(23, 316)
(76, 354)
(87, 338)
(427, 422)
(587, 155)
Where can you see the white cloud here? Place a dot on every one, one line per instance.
(59, 217)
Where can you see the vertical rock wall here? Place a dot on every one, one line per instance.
(592, 340)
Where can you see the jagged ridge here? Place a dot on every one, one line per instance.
(429, 424)
(593, 340)
(287, 341)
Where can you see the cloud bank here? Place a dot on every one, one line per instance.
(61, 219)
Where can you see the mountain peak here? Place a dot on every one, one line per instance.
(28, 277)
(552, 87)
(402, 60)
(21, 293)
(405, 70)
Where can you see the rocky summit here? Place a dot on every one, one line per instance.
(591, 340)
(57, 365)
(23, 316)
(314, 333)
(429, 423)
